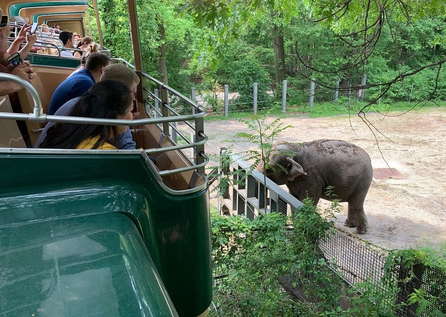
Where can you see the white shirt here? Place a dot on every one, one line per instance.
(66, 54)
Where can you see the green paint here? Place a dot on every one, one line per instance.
(14, 10)
(56, 61)
(85, 235)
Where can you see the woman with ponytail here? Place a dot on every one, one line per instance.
(107, 99)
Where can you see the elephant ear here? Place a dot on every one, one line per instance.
(294, 169)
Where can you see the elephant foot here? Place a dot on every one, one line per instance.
(349, 223)
(361, 229)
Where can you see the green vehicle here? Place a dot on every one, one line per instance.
(102, 232)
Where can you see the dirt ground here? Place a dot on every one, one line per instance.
(405, 206)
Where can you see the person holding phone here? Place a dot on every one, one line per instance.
(11, 64)
(25, 34)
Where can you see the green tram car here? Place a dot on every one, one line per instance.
(94, 232)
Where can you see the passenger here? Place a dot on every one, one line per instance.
(79, 82)
(23, 70)
(67, 40)
(117, 72)
(76, 39)
(45, 29)
(23, 36)
(84, 46)
(93, 48)
(57, 29)
(108, 99)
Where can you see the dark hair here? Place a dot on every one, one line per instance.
(96, 60)
(65, 37)
(106, 99)
(85, 40)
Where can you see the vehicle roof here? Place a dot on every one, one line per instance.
(34, 10)
(93, 265)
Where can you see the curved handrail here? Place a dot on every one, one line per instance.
(188, 168)
(38, 116)
(29, 88)
(86, 120)
(47, 44)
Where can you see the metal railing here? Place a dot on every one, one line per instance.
(162, 101)
(200, 158)
(250, 193)
(40, 44)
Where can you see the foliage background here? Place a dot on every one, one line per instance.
(207, 44)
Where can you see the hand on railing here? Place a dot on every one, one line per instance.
(24, 71)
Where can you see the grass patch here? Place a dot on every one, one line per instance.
(329, 109)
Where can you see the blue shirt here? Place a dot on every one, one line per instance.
(72, 87)
(124, 141)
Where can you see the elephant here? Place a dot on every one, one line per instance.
(329, 169)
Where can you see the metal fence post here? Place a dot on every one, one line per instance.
(312, 89)
(255, 88)
(349, 90)
(338, 82)
(157, 103)
(164, 110)
(361, 91)
(284, 92)
(226, 100)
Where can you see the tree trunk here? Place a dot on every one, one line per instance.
(162, 50)
(279, 56)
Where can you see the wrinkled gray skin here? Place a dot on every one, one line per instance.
(310, 169)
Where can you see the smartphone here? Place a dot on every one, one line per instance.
(33, 28)
(14, 60)
(4, 21)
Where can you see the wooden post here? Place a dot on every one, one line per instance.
(98, 23)
(284, 92)
(133, 21)
(226, 100)
(134, 32)
(338, 82)
(255, 88)
(312, 92)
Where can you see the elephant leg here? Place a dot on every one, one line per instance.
(349, 221)
(356, 215)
